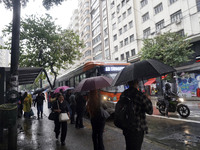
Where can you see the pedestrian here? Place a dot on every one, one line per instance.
(39, 102)
(72, 107)
(20, 105)
(97, 121)
(60, 106)
(27, 105)
(141, 104)
(80, 109)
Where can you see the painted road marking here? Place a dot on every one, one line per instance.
(177, 119)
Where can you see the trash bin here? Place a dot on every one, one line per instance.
(8, 115)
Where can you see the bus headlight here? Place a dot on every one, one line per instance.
(104, 98)
(181, 99)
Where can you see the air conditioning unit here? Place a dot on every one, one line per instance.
(178, 21)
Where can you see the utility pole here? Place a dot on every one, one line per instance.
(13, 91)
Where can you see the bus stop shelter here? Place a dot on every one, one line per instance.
(25, 76)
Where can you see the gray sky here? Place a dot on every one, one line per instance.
(63, 12)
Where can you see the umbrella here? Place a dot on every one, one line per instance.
(142, 70)
(93, 83)
(57, 90)
(40, 90)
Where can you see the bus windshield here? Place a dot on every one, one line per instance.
(115, 89)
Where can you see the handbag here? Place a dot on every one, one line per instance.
(52, 116)
(104, 113)
(63, 117)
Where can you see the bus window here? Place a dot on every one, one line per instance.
(82, 76)
(71, 82)
(66, 83)
(76, 80)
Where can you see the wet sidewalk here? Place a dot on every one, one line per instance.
(36, 134)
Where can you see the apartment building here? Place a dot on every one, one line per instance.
(115, 29)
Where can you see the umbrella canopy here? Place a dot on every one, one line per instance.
(142, 70)
(57, 90)
(93, 83)
(40, 90)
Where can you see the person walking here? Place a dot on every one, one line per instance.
(60, 106)
(141, 104)
(39, 102)
(80, 109)
(97, 120)
(27, 105)
(72, 107)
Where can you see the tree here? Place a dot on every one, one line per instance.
(44, 44)
(170, 48)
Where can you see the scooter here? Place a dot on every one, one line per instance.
(175, 104)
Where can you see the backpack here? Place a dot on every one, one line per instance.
(125, 114)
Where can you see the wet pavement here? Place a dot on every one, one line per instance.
(38, 134)
(164, 134)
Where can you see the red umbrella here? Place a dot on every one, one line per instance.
(93, 83)
(57, 90)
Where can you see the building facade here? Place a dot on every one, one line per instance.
(5, 55)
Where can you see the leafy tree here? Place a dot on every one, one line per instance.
(170, 48)
(44, 44)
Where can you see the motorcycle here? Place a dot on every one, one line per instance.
(175, 104)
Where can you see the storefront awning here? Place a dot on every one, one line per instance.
(150, 81)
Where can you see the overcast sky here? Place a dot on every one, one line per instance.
(63, 12)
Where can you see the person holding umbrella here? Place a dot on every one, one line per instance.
(141, 104)
(97, 121)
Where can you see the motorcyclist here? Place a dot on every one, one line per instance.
(167, 97)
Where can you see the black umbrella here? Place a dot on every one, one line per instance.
(142, 70)
(40, 90)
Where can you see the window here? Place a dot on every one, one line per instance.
(88, 53)
(105, 22)
(106, 42)
(107, 53)
(132, 38)
(98, 57)
(143, 3)
(121, 44)
(126, 41)
(145, 17)
(147, 32)
(176, 16)
(129, 11)
(116, 48)
(122, 56)
(119, 19)
(160, 25)
(198, 5)
(123, 2)
(130, 24)
(96, 39)
(97, 49)
(120, 31)
(124, 15)
(172, 1)
(127, 55)
(115, 37)
(112, 4)
(132, 52)
(105, 31)
(113, 15)
(181, 32)
(114, 26)
(158, 8)
(117, 58)
(125, 28)
(118, 8)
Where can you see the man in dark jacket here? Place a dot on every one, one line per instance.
(39, 101)
(80, 109)
(142, 105)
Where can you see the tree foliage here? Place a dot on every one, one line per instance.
(170, 48)
(44, 44)
(46, 3)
